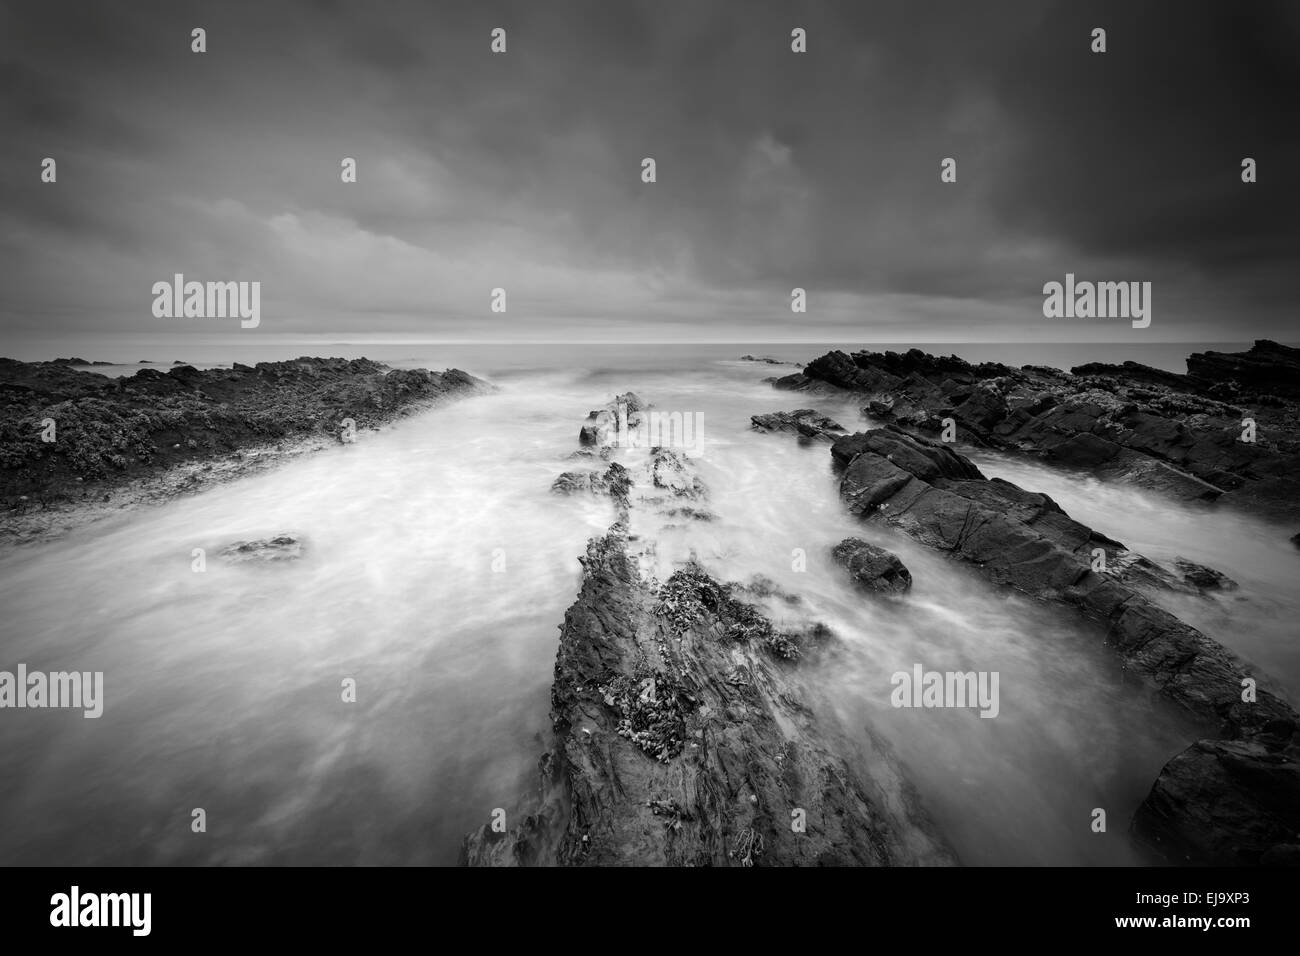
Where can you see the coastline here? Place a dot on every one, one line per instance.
(180, 431)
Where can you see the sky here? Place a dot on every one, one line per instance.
(775, 169)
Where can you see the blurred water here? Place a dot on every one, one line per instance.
(223, 688)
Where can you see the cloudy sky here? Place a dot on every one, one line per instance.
(775, 169)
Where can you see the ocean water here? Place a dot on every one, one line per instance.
(438, 567)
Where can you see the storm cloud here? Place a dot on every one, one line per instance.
(522, 170)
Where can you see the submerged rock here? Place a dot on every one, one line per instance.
(872, 568)
(1206, 579)
(671, 472)
(283, 547)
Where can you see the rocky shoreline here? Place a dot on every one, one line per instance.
(1227, 431)
(1232, 798)
(681, 732)
(78, 445)
(684, 724)
(680, 736)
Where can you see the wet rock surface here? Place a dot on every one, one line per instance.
(805, 422)
(1227, 803)
(681, 732)
(872, 568)
(613, 481)
(603, 424)
(1203, 578)
(1228, 799)
(1179, 434)
(112, 432)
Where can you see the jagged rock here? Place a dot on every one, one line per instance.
(283, 547)
(872, 568)
(1204, 806)
(1171, 433)
(678, 744)
(805, 422)
(680, 735)
(602, 423)
(114, 431)
(1134, 372)
(1268, 368)
(614, 481)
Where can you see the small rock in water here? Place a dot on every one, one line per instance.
(1207, 579)
(283, 547)
(873, 568)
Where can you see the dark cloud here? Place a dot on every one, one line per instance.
(775, 170)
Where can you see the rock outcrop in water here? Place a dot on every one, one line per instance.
(110, 432)
(1233, 798)
(680, 733)
(872, 568)
(282, 547)
(1203, 578)
(804, 422)
(1179, 434)
(602, 424)
(613, 481)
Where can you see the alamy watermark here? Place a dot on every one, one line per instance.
(57, 689)
(208, 300)
(656, 429)
(922, 688)
(1098, 300)
(75, 908)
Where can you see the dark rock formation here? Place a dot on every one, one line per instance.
(680, 733)
(1228, 802)
(1267, 369)
(680, 741)
(805, 422)
(1220, 802)
(1181, 435)
(1135, 372)
(111, 431)
(872, 568)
